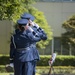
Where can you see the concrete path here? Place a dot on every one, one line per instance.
(57, 74)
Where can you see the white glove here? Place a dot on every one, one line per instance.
(11, 65)
(36, 25)
(32, 23)
(30, 29)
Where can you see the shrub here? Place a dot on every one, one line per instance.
(59, 61)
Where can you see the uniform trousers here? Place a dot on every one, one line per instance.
(23, 68)
(34, 66)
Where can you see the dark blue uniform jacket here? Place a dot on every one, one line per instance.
(20, 46)
(43, 36)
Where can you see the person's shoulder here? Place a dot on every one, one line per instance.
(28, 31)
(17, 31)
(15, 34)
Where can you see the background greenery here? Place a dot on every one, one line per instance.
(68, 37)
(61, 60)
(13, 9)
(45, 70)
(62, 64)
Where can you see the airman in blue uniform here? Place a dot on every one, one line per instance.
(38, 30)
(21, 53)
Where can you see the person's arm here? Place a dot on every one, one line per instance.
(12, 49)
(44, 36)
(33, 36)
(16, 31)
(41, 32)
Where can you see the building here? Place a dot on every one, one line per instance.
(56, 12)
(5, 32)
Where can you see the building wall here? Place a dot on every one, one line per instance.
(5, 32)
(56, 13)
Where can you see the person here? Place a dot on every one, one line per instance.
(38, 30)
(21, 54)
(16, 29)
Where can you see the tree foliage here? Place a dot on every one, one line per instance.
(69, 36)
(13, 9)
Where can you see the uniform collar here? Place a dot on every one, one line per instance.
(23, 32)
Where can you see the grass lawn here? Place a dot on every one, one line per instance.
(44, 70)
(4, 74)
(10, 73)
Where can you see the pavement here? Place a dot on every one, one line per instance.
(52, 74)
(57, 74)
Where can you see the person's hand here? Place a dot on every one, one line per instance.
(31, 23)
(11, 65)
(36, 25)
(30, 29)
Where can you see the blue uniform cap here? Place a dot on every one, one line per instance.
(27, 16)
(32, 18)
(22, 22)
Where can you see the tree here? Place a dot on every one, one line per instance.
(13, 9)
(68, 38)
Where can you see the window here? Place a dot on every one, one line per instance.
(67, 0)
(57, 45)
(56, 0)
(73, 0)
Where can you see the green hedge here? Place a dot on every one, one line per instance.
(45, 69)
(60, 60)
(4, 60)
